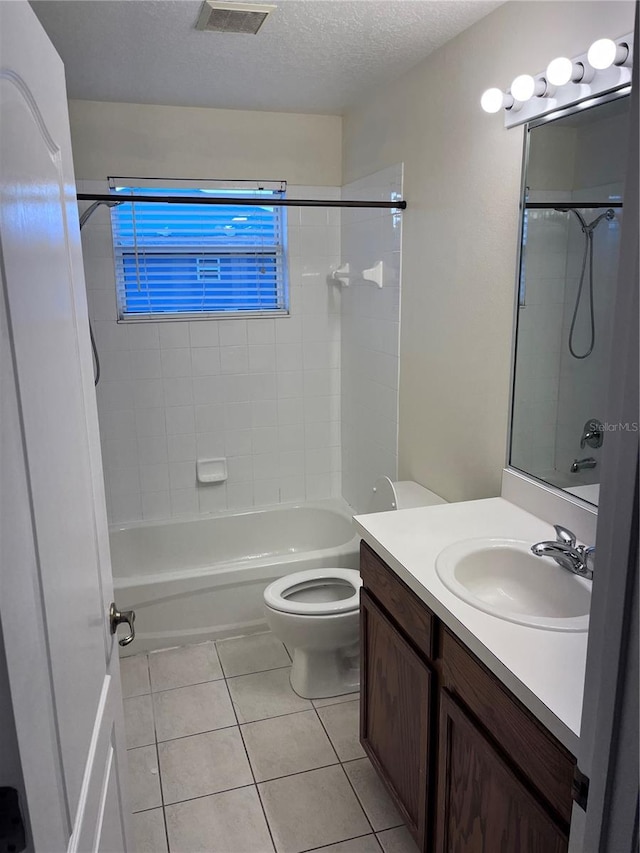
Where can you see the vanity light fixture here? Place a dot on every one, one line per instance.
(605, 67)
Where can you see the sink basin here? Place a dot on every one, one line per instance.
(502, 577)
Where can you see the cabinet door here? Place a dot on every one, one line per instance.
(395, 719)
(483, 807)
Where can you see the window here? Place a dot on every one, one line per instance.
(184, 260)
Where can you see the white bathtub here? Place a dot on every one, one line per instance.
(203, 579)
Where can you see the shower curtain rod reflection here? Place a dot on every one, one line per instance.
(400, 204)
(570, 205)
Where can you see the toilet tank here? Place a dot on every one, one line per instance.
(403, 494)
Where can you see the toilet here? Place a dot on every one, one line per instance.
(315, 613)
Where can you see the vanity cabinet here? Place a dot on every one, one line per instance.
(469, 767)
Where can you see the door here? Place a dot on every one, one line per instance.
(55, 578)
(395, 723)
(482, 805)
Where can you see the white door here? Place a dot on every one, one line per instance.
(55, 573)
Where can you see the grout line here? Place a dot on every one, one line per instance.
(155, 734)
(359, 801)
(328, 736)
(211, 681)
(259, 671)
(342, 763)
(351, 838)
(185, 686)
(253, 775)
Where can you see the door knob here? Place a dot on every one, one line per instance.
(120, 618)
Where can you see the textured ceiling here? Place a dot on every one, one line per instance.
(315, 56)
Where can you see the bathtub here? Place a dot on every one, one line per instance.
(202, 579)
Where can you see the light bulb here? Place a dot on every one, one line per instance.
(560, 71)
(492, 100)
(605, 52)
(525, 87)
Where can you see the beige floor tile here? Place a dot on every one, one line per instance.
(134, 673)
(192, 710)
(184, 666)
(364, 844)
(144, 779)
(397, 840)
(312, 809)
(231, 822)
(342, 723)
(335, 700)
(284, 745)
(203, 764)
(149, 834)
(373, 795)
(138, 721)
(258, 652)
(265, 694)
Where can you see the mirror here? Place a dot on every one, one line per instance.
(572, 217)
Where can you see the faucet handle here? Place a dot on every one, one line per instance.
(565, 536)
(588, 558)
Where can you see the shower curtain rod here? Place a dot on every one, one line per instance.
(572, 205)
(261, 200)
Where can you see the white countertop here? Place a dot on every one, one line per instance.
(544, 669)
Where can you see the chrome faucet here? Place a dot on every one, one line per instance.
(578, 559)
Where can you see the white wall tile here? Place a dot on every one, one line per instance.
(154, 478)
(205, 361)
(145, 364)
(181, 448)
(143, 336)
(234, 359)
(232, 333)
(174, 335)
(204, 333)
(180, 419)
(176, 362)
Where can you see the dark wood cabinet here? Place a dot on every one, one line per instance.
(483, 806)
(395, 721)
(471, 769)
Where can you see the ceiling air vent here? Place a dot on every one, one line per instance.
(232, 17)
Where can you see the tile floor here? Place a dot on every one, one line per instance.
(225, 758)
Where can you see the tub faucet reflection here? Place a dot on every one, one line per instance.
(580, 464)
(578, 559)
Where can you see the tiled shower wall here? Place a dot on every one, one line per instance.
(264, 393)
(370, 338)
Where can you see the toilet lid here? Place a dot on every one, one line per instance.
(281, 594)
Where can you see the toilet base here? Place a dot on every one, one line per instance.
(322, 674)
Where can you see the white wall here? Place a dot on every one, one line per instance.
(370, 338)
(263, 393)
(462, 183)
(184, 142)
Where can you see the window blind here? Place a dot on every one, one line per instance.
(178, 261)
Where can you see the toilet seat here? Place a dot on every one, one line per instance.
(276, 594)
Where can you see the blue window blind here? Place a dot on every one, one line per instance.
(179, 261)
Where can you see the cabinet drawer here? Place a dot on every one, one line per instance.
(540, 757)
(414, 617)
